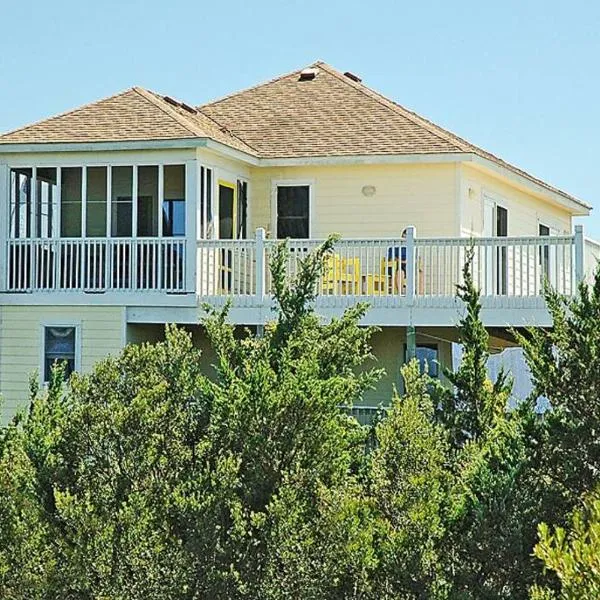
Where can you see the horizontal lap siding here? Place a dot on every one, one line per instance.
(525, 211)
(102, 333)
(424, 195)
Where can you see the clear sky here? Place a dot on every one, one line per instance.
(518, 77)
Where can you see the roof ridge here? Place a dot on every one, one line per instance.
(258, 85)
(161, 104)
(65, 113)
(440, 132)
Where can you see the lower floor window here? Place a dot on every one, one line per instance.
(427, 355)
(59, 347)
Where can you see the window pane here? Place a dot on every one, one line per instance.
(148, 201)
(46, 195)
(59, 346)
(122, 192)
(70, 202)
(96, 202)
(174, 200)
(428, 359)
(293, 211)
(20, 202)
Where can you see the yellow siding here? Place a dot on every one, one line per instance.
(102, 333)
(525, 211)
(424, 195)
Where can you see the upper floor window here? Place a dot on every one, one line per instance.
(99, 201)
(33, 194)
(293, 211)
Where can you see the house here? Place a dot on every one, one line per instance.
(133, 211)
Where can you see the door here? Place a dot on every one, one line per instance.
(227, 231)
(501, 251)
(495, 224)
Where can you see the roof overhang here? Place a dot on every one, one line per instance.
(574, 205)
(128, 145)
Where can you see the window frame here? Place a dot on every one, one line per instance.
(277, 183)
(58, 323)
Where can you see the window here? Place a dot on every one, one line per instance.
(70, 202)
(544, 231)
(147, 201)
(242, 207)
(427, 355)
(95, 222)
(174, 201)
(293, 211)
(59, 346)
(122, 192)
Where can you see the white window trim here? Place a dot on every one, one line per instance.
(275, 183)
(59, 323)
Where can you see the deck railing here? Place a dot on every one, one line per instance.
(397, 270)
(385, 272)
(96, 265)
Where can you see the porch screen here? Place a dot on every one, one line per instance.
(293, 211)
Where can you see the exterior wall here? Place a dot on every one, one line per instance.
(388, 349)
(591, 256)
(102, 332)
(525, 210)
(424, 195)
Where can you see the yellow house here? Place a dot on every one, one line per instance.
(133, 211)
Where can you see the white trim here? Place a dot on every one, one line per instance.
(78, 342)
(134, 201)
(140, 298)
(5, 192)
(577, 206)
(275, 183)
(84, 201)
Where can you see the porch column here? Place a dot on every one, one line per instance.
(4, 224)
(411, 343)
(191, 234)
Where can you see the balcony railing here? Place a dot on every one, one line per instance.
(96, 265)
(396, 271)
(391, 272)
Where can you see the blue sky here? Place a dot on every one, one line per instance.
(519, 78)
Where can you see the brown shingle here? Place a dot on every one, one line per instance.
(135, 114)
(330, 115)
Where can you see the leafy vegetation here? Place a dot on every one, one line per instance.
(148, 479)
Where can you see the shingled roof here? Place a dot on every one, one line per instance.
(133, 115)
(312, 112)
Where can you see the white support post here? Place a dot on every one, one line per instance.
(579, 261)
(135, 254)
(84, 195)
(411, 264)
(260, 266)
(191, 235)
(4, 224)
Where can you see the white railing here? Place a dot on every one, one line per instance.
(395, 271)
(384, 272)
(501, 266)
(96, 265)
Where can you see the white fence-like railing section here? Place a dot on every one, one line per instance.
(384, 272)
(501, 266)
(96, 265)
(396, 270)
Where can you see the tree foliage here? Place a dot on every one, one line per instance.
(146, 478)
